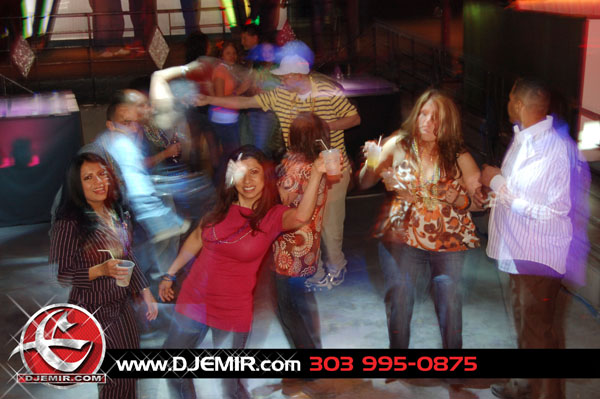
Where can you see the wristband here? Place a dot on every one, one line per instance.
(465, 206)
(184, 70)
(169, 277)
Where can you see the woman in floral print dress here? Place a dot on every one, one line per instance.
(296, 252)
(428, 227)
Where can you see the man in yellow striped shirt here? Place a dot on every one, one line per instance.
(301, 92)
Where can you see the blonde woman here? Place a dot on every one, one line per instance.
(428, 224)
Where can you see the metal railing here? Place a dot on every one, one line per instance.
(410, 62)
(82, 33)
(9, 83)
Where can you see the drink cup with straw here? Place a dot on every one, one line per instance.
(332, 160)
(373, 154)
(124, 265)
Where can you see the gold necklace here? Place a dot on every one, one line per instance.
(429, 187)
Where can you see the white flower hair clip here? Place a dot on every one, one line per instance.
(235, 171)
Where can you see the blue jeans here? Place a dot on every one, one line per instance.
(298, 312)
(261, 124)
(402, 265)
(188, 333)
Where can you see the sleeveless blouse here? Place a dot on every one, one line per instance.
(429, 223)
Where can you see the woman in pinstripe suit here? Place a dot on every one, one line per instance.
(89, 222)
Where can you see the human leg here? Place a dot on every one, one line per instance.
(184, 333)
(108, 23)
(190, 16)
(120, 332)
(401, 266)
(233, 388)
(535, 302)
(446, 277)
(333, 262)
(298, 312)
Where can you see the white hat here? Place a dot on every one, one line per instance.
(292, 64)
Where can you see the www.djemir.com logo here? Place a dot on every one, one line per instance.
(62, 345)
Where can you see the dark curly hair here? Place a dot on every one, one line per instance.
(73, 204)
(228, 195)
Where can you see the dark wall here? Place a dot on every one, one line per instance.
(501, 44)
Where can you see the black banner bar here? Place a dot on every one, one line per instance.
(352, 363)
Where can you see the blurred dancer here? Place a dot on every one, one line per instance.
(119, 143)
(303, 93)
(226, 83)
(231, 243)
(429, 225)
(190, 195)
(296, 253)
(530, 231)
(90, 221)
(262, 125)
(197, 48)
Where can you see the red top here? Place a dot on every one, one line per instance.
(218, 290)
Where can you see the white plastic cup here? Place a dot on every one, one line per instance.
(331, 157)
(373, 154)
(127, 265)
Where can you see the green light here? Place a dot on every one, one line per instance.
(229, 13)
(46, 9)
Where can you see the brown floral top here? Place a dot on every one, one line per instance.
(429, 223)
(296, 253)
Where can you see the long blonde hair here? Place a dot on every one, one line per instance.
(449, 133)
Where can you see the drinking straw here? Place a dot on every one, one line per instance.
(379, 142)
(107, 250)
(323, 143)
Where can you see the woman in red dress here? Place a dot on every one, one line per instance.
(231, 243)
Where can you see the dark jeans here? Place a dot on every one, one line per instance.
(261, 125)
(402, 265)
(188, 333)
(534, 295)
(228, 136)
(298, 312)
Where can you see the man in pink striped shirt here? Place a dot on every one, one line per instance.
(529, 230)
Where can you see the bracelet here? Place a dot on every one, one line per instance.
(465, 206)
(169, 277)
(184, 70)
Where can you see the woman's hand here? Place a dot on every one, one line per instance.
(482, 197)
(392, 183)
(165, 291)
(451, 195)
(151, 305)
(202, 100)
(172, 150)
(319, 164)
(111, 268)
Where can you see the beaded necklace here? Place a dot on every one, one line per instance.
(429, 186)
(311, 97)
(118, 227)
(224, 240)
